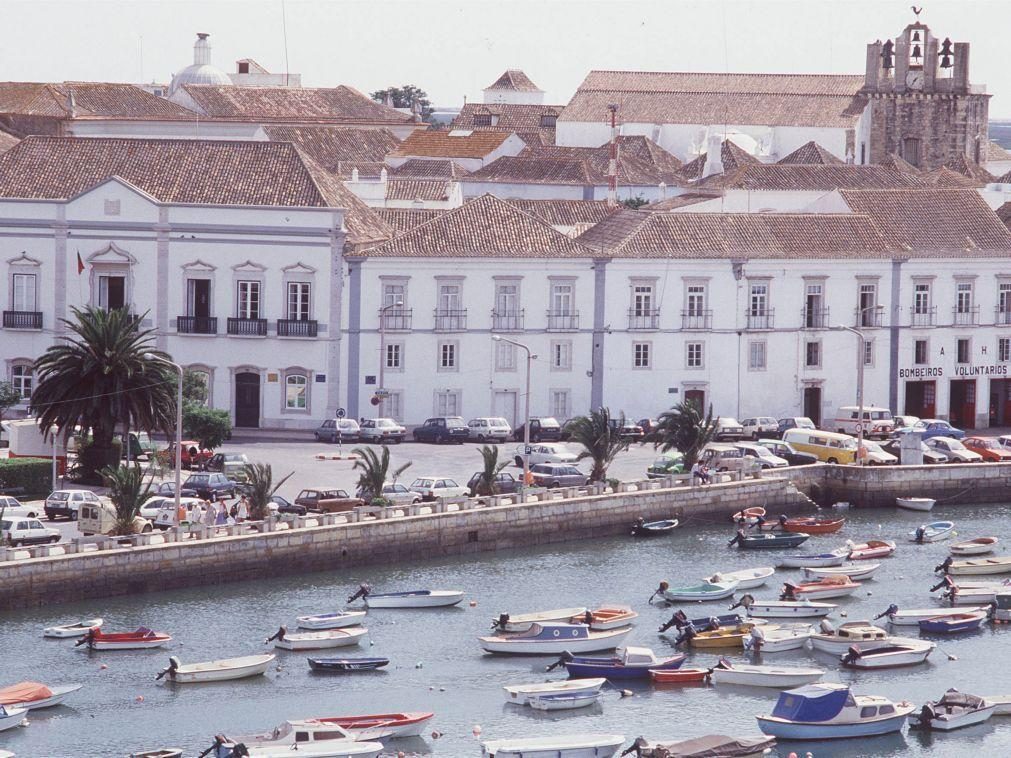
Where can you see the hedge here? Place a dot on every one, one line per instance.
(26, 476)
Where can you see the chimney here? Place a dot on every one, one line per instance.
(714, 156)
(202, 50)
(388, 99)
(612, 163)
(71, 103)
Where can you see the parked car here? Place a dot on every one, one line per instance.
(546, 452)
(381, 430)
(150, 507)
(211, 485)
(232, 465)
(878, 456)
(309, 498)
(340, 502)
(11, 507)
(557, 475)
(396, 493)
(648, 425)
(794, 422)
(167, 516)
(169, 490)
(442, 429)
(721, 457)
(953, 450)
(785, 451)
(669, 463)
(101, 518)
(629, 430)
(989, 449)
(26, 531)
(67, 503)
(829, 447)
(759, 426)
(765, 457)
(933, 427)
(507, 483)
(432, 487)
(138, 445)
(728, 428)
(489, 429)
(877, 422)
(903, 420)
(541, 428)
(327, 431)
(193, 456)
(930, 456)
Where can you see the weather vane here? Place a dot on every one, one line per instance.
(917, 11)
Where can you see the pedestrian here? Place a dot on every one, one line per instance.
(222, 514)
(210, 513)
(243, 513)
(699, 472)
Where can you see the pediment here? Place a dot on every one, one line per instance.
(298, 268)
(198, 266)
(248, 267)
(111, 254)
(24, 260)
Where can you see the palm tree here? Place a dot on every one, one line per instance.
(683, 428)
(375, 472)
(98, 377)
(260, 488)
(127, 491)
(487, 482)
(601, 440)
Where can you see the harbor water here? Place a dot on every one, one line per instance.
(437, 665)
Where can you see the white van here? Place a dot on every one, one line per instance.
(878, 422)
(100, 518)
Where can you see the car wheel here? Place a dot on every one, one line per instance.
(146, 529)
(32, 515)
(480, 438)
(55, 539)
(831, 460)
(73, 515)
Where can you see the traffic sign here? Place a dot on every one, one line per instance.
(341, 413)
(381, 393)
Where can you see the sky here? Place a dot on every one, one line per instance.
(455, 48)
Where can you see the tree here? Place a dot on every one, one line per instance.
(98, 377)
(260, 488)
(683, 428)
(635, 203)
(375, 472)
(9, 397)
(406, 97)
(210, 427)
(127, 491)
(194, 387)
(600, 438)
(487, 483)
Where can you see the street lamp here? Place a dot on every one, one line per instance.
(861, 359)
(179, 420)
(526, 412)
(382, 350)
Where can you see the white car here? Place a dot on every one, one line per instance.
(381, 430)
(545, 452)
(11, 507)
(765, 457)
(68, 503)
(398, 494)
(166, 516)
(26, 531)
(489, 429)
(953, 450)
(433, 487)
(759, 426)
(728, 428)
(878, 456)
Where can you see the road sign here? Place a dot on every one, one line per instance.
(381, 393)
(528, 449)
(341, 413)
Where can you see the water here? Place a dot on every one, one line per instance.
(437, 665)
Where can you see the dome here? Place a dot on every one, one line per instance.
(201, 71)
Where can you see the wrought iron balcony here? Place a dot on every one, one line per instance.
(507, 321)
(814, 318)
(965, 316)
(867, 317)
(196, 325)
(643, 319)
(396, 319)
(289, 327)
(695, 319)
(22, 319)
(761, 318)
(923, 316)
(450, 320)
(247, 327)
(1002, 316)
(563, 321)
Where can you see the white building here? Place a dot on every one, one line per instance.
(513, 88)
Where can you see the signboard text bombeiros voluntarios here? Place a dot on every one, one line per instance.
(933, 372)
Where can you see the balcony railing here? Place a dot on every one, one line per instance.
(923, 316)
(396, 319)
(1001, 316)
(643, 319)
(22, 319)
(696, 319)
(814, 318)
(867, 317)
(450, 320)
(247, 327)
(507, 321)
(761, 318)
(965, 317)
(196, 325)
(563, 321)
(290, 327)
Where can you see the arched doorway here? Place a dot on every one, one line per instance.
(247, 399)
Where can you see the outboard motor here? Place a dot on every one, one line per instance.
(826, 627)
(926, 716)
(756, 640)
(782, 521)
(738, 538)
(687, 635)
(892, 609)
(278, 635)
(659, 590)
(637, 526)
(363, 591)
(944, 566)
(565, 658)
(87, 639)
(637, 746)
(746, 601)
(503, 619)
(852, 654)
(918, 535)
(171, 670)
(788, 592)
(946, 582)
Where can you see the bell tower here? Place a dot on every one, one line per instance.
(923, 107)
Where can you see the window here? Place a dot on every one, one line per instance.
(911, 150)
(868, 352)
(298, 301)
(505, 356)
(248, 303)
(507, 298)
(694, 355)
(394, 294)
(1004, 349)
(962, 351)
(112, 207)
(641, 354)
(22, 380)
(111, 292)
(23, 295)
(756, 356)
(394, 356)
(449, 298)
(696, 299)
(548, 120)
(758, 302)
(814, 314)
(447, 403)
(867, 303)
(963, 297)
(812, 354)
(863, 153)
(447, 358)
(561, 356)
(1004, 302)
(561, 299)
(393, 406)
(560, 408)
(642, 300)
(296, 386)
(921, 300)
(482, 119)
(920, 352)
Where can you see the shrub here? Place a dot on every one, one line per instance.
(28, 476)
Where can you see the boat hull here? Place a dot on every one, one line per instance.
(783, 680)
(331, 621)
(914, 617)
(828, 592)
(15, 717)
(980, 567)
(922, 504)
(385, 726)
(855, 573)
(65, 631)
(748, 579)
(885, 658)
(816, 526)
(951, 626)
(322, 640)
(679, 676)
(347, 664)
(523, 621)
(563, 702)
(840, 646)
(783, 609)
(689, 594)
(254, 665)
(129, 644)
(436, 599)
(781, 644)
(787, 730)
(773, 542)
(59, 695)
(520, 694)
(586, 669)
(971, 548)
(589, 746)
(956, 722)
(835, 558)
(595, 641)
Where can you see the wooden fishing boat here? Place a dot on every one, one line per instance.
(811, 525)
(168, 752)
(606, 617)
(708, 746)
(909, 653)
(380, 726)
(520, 622)
(347, 664)
(915, 503)
(679, 676)
(562, 746)
(33, 695)
(724, 637)
(11, 717)
(936, 531)
(564, 701)
(654, 528)
(335, 620)
(953, 711)
(914, 616)
(628, 663)
(956, 623)
(555, 639)
(815, 560)
(830, 711)
(778, 639)
(698, 592)
(768, 541)
(976, 566)
(854, 571)
(764, 676)
(140, 639)
(749, 514)
(977, 546)
(821, 589)
(520, 694)
(351, 635)
(74, 629)
(802, 608)
(221, 670)
(871, 549)
(746, 578)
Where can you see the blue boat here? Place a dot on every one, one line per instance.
(629, 663)
(970, 621)
(767, 541)
(680, 620)
(829, 711)
(347, 664)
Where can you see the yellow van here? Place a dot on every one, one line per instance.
(828, 447)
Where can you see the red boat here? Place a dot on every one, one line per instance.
(679, 676)
(380, 726)
(96, 639)
(871, 549)
(812, 525)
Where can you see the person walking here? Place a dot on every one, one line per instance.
(210, 513)
(243, 510)
(222, 514)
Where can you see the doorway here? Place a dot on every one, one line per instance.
(921, 399)
(812, 404)
(1000, 402)
(504, 405)
(962, 403)
(247, 400)
(698, 397)
(111, 292)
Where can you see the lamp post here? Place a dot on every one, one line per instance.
(526, 411)
(861, 359)
(179, 421)
(382, 350)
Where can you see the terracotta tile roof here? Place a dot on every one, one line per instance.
(707, 98)
(450, 143)
(510, 117)
(933, 221)
(682, 200)
(7, 141)
(894, 162)
(776, 176)
(732, 155)
(417, 189)
(565, 212)
(994, 152)
(968, 167)
(91, 100)
(810, 153)
(950, 179)
(635, 234)
(364, 226)
(484, 227)
(405, 219)
(338, 149)
(1005, 179)
(428, 169)
(514, 80)
(1004, 214)
(518, 170)
(340, 104)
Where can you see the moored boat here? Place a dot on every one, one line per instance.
(11, 717)
(140, 639)
(935, 531)
(767, 541)
(828, 639)
(764, 676)
(953, 711)
(814, 560)
(561, 746)
(826, 711)
(854, 571)
(335, 620)
(408, 599)
(750, 515)
(977, 546)
(307, 736)
(628, 663)
(823, 588)
(811, 525)
(1001, 704)
(347, 664)
(680, 620)
(915, 503)
(746, 578)
(779, 639)
(890, 656)
(555, 639)
(217, 671)
(351, 635)
(33, 695)
(864, 551)
(606, 617)
(642, 528)
(679, 676)
(913, 616)
(704, 591)
(708, 746)
(520, 694)
(974, 593)
(724, 636)
(378, 726)
(520, 622)
(803, 608)
(73, 629)
(564, 701)
(975, 566)
(167, 752)
(956, 623)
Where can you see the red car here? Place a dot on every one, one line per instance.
(989, 448)
(193, 456)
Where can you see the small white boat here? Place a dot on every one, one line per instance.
(699, 592)
(562, 746)
(746, 578)
(830, 640)
(1001, 704)
(784, 608)
(854, 571)
(351, 635)
(75, 629)
(953, 711)
(520, 694)
(914, 616)
(555, 638)
(908, 653)
(336, 620)
(33, 695)
(976, 566)
(778, 639)
(409, 599)
(835, 557)
(915, 503)
(826, 711)
(167, 752)
(977, 546)
(822, 588)
(308, 738)
(218, 671)
(11, 717)
(932, 532)
(782, 677)
(564, 701)
(520, 622)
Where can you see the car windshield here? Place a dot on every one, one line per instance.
(548, 422)
(497, 422)
(385, 422)
(986, 444)
(878, 415)
(954, 445)
(198, 479)
(421, 483)
(59, 496)
(455, 421)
